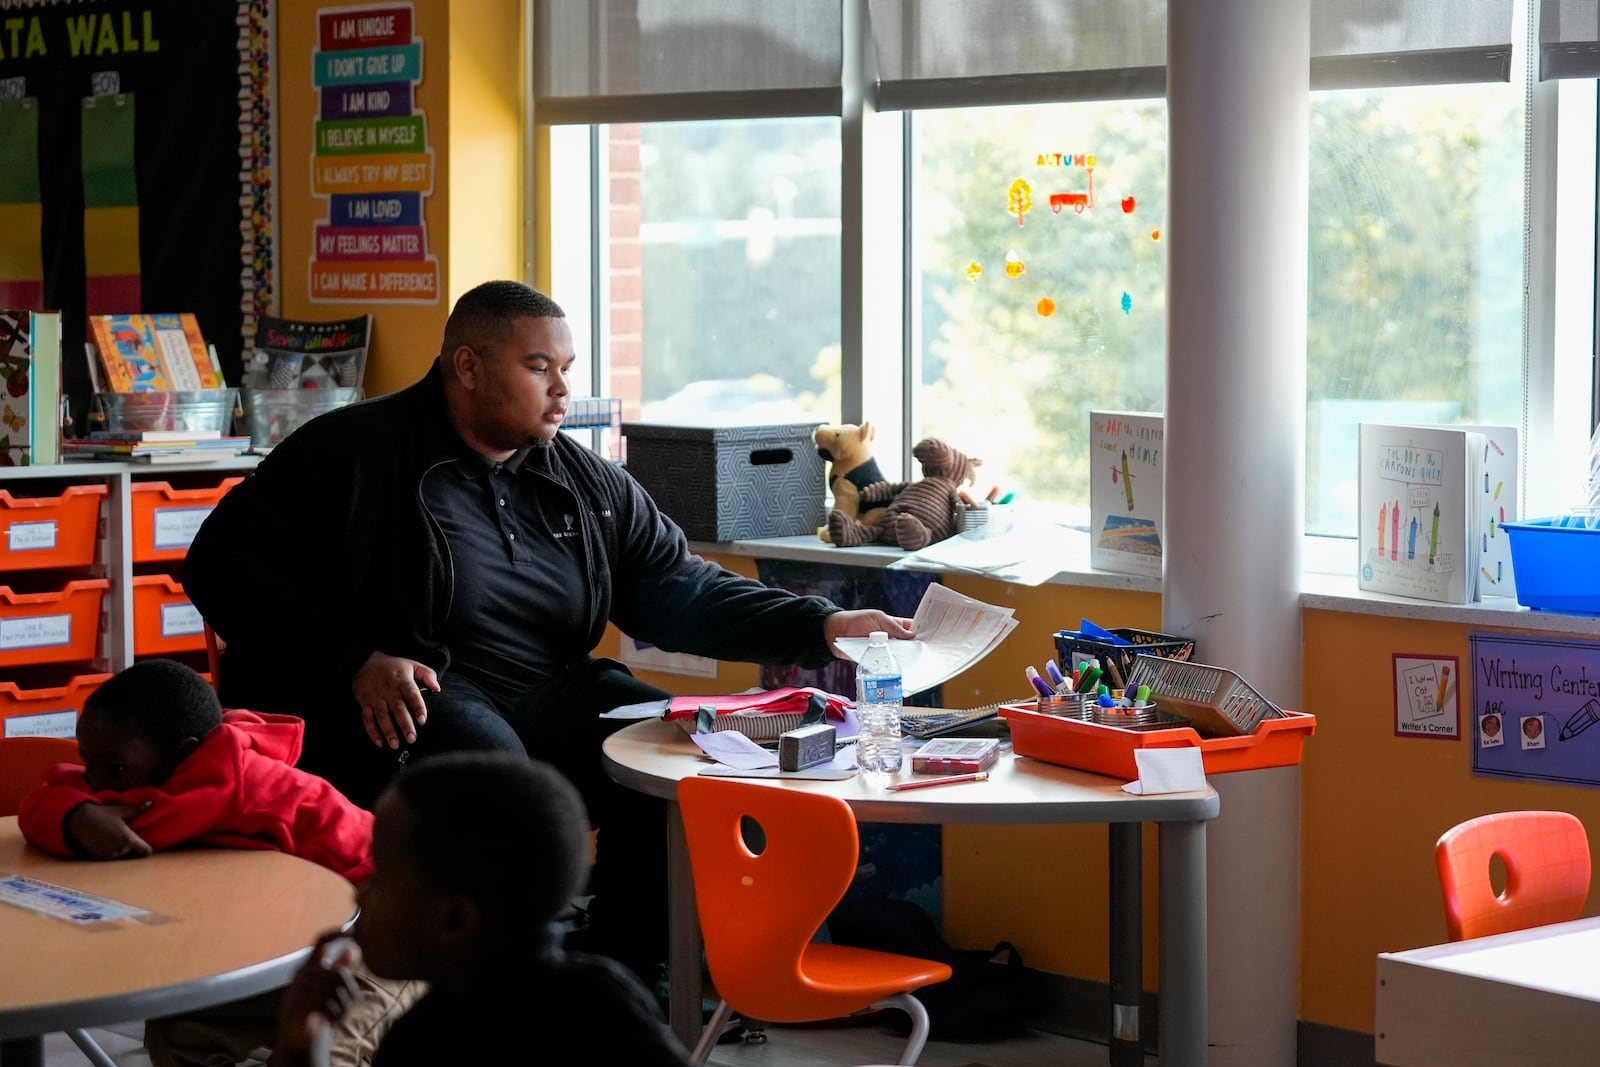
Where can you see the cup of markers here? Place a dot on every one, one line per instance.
(1082, 695)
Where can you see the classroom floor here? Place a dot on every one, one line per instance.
(785, 1047)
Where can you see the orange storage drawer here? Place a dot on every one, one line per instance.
(1109, 750)
(51, 627)
(50, 531)
(163, 619)
(165, 519)
(45, 712)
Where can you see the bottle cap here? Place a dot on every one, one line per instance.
(878, 637)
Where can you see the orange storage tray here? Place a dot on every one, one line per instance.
(45, 712)
(165, 519)
(51, 627)
(50, 531)
(163, 619)
(1109, 749)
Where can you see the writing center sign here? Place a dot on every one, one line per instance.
(1534, 701)
(371, 160)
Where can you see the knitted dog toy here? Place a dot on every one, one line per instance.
(848, 450)
(920, 513)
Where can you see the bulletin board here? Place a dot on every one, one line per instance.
(1534, 701)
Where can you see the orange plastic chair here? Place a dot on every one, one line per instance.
(23, 763)
(758, 913)
(1546, 855)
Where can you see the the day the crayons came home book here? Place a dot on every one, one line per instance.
(1126, 457)
(1432, 499)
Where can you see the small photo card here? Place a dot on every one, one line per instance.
(1533, 731)
(1491, 731)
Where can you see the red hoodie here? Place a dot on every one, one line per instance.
(238, 789)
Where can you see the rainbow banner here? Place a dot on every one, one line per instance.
(21, 213)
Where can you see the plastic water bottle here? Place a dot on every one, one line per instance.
(878, 705)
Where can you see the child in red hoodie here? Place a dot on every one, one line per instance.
(164, 765)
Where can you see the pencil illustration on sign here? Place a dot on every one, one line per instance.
(1125, 491)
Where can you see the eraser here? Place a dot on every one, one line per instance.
(806, 746)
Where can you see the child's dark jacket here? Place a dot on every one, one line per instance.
(238, 789)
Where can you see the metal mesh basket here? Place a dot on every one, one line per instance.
(1217, 700)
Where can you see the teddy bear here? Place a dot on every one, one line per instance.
(917, 514)
(848, 450)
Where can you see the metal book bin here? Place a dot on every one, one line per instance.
(191, 411)
(1215, 699)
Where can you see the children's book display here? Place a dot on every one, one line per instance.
(154, 354)
(30, 388)
(1126, 458)
(292, 354)
(1433, 500)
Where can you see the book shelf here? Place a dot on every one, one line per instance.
(131, 507)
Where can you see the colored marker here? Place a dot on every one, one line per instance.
(1497, 447)
(1489, 576)
(1485, 481)
(1142, 695)
(1444, 681)
(1383, 520)
(1090, 676)
(1394, 531)
(994, 493)
(1433, 538)
(1127, 482)
(1054, 673)
(1411, 542)
(1491, 526)
(1008, 498)
(1497, 487)
(1039, 684)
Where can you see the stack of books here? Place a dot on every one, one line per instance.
(156, 446)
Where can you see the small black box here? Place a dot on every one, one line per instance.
(806, 746)
(727, 483)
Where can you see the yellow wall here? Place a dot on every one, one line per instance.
(470, 92)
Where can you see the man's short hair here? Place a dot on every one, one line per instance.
(483, 315)
(159, 700)
(508, 831)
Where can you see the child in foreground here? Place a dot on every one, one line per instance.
(474, 855)
(165, 766)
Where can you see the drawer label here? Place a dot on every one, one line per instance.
(176, 527)
(36, 631)
(43, 724)
(31, 536)
(181, 619)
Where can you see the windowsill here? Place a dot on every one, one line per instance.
(1319, 591)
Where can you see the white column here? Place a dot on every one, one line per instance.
(1238, 97)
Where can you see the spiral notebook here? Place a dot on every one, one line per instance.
(923, 724)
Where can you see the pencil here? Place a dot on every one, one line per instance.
(976, 776)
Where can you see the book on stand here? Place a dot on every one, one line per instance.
(1126, 457)
(30, 388)
(157, 353)
(295, 354)
(1419, 513)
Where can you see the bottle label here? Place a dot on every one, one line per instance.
(883, 689)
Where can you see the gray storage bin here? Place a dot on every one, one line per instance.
(727, 483)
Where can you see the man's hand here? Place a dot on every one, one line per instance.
(861, 624)
(320, 991)
(386, 687)
(101, 831)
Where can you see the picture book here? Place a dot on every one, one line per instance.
(292, 354)
(956, 755)
(1125, 491)
(30, 388)
(154, 354)
(1418, 514)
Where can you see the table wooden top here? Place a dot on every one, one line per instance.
(237, 922)
(652, 756)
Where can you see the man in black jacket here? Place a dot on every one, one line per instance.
(431, 571)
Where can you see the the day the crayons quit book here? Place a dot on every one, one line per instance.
(1419, 516)
(1126, 457)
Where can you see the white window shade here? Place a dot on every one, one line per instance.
(941, 53)
(610, 61)
(1569, 39)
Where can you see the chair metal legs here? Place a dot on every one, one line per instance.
(903, 1001)
(90, 1048)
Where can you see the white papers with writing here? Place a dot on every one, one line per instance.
(733, 749)
(1167, 770)
(953, 632)
(1027, 554)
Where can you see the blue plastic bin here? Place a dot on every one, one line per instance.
(1557, 563)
